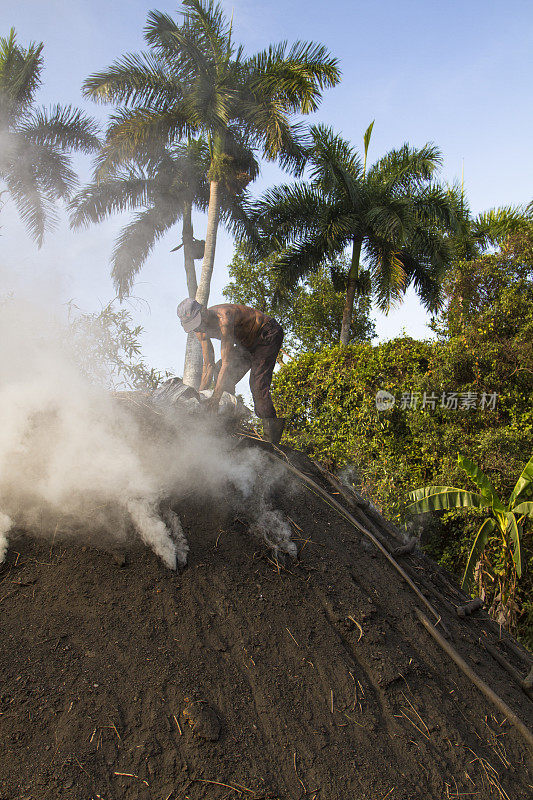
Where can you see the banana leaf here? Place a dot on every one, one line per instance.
(482, 482)
(524, 484)
(443, 498)
(475, 553)
(524, 508)
(514, 532)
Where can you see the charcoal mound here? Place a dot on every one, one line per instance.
(245, 676)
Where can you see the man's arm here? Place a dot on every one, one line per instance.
(209, 360)
(227, 341)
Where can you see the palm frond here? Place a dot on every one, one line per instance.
(286, 212)
(366, 141)
(494, 226)
(36, 210)
(387, 272)
(20, 74)
(426, 282)
(66, 128)
(207, 18)
(136, 242)
(436, 208)
(333, 159)
(425, 258)
(235, 216)
(52, 170)
(122, 193)
(140, 133)
(296, 78)
(135, 79)
(406, 168)
(387, 220)
(315, 60)
(184, 48)
(299, 260)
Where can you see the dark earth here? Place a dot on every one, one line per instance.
(245, 678)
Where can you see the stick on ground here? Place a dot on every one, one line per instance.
(476, 680)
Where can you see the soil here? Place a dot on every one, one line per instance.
(244, 678)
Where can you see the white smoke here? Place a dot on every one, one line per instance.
(273, 528)
(5, 527)
(75, 458)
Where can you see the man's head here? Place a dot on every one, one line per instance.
(190, 314)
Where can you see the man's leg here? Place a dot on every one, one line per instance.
(263, 362)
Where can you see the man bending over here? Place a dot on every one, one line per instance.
(250, 340)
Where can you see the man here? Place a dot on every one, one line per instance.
(250, 340)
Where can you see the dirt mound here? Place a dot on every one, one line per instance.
(244, 678)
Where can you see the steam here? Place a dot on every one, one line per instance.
(77, 460)
(273, 528)
(5, 527)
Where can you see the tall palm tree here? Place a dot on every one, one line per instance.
(394, 214)
(34, 162)
(196, 81)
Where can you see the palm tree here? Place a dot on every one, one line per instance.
(166, 188)
(195, 81)
(394, 213)
(34, 164)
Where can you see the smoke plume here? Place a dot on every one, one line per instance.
(76, 459)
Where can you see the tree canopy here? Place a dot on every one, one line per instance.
(394, 214)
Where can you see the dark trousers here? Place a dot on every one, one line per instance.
(260, 360)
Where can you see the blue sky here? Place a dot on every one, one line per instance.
(457, 73)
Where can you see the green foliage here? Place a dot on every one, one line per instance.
(473, 236)
(503, 520)
(108, 349)
(311, 315)
(485, 344)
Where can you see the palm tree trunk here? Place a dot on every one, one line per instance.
(213, 214)
(193, 373)
(353, 274)
(193, 351)
(188, 238)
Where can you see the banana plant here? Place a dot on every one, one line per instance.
(507, 520)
